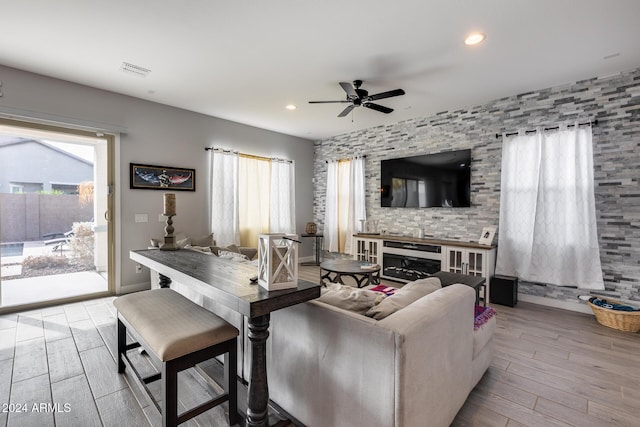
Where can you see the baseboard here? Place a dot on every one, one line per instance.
(134, 287)
(548, 302)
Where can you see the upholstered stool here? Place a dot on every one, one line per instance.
(179, 334)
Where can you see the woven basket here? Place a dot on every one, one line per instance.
(311, 228)
(628, 321)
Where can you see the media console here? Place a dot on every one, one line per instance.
(406, 259)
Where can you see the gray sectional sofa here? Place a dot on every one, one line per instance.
(332, 367)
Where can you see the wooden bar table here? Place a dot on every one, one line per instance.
(228, 283)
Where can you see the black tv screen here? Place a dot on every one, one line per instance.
(430, 180)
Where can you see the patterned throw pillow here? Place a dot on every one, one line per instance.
(350, 298)
(231, 248)
(231, 255)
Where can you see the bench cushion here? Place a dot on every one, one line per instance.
(170, 324)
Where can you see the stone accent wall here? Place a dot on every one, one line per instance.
(613, 101)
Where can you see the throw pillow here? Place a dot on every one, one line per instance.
(203, 249)
(404, 296)
(203, 240)
(182, 243)
(350, 298)
(231, 248)
(232, 255)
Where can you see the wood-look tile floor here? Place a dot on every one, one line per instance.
(551, 368)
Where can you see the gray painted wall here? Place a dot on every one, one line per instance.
(159, 135)
(614, 101)
(33, 162)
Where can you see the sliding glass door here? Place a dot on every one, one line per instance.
(56, 199)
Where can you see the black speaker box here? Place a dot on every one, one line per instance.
(504, 290)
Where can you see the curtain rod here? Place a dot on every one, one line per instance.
(593, 123)
(344, 160)
(249, 156)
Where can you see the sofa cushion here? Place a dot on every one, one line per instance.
(350, 298)
(404, 296)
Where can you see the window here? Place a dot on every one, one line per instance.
(345, 203)
(250, 195)
(547, 209)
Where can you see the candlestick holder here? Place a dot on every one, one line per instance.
(169, 239)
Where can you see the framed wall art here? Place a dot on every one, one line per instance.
(161, 178)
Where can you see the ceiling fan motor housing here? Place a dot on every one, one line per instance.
(360, 97)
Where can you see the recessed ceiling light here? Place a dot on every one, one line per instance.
(290, 107)
(474, 38)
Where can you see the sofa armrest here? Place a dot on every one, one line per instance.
(330, 367)
(434, 354)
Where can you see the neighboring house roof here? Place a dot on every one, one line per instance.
(6, 141)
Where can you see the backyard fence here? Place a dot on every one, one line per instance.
(30, 217)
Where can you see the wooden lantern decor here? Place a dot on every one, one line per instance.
(277, 261)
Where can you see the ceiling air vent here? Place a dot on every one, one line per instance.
(135, 69)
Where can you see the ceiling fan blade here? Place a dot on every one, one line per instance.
(377, 107)
(327, 102)
(348, 87)
(346, 110)
(388, 94)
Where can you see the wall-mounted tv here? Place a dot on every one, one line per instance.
(430, 180)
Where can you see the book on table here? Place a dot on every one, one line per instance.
(368, 266)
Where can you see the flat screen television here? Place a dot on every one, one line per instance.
(430, 180)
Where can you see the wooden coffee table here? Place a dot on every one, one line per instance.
(350, 268)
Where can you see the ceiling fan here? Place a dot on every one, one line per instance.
(360, 97)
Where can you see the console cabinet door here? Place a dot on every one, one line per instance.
(476, 265)
(466, 261)
(367, 250)
(455, 260)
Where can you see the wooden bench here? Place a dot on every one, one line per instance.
(179, 334)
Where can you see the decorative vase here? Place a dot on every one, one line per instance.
(311, 228)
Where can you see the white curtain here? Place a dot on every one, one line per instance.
(331, 208)
(357, 209)
(253, 199)
(283, 209)
(547, 209)
(344, 203)
(224, 197)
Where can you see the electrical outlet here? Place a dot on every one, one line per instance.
(138, 269)
(141, 217)
(162, 218)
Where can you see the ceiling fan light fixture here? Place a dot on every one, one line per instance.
(290, 107)
(474, 39)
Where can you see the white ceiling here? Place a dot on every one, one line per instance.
(246, 60)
